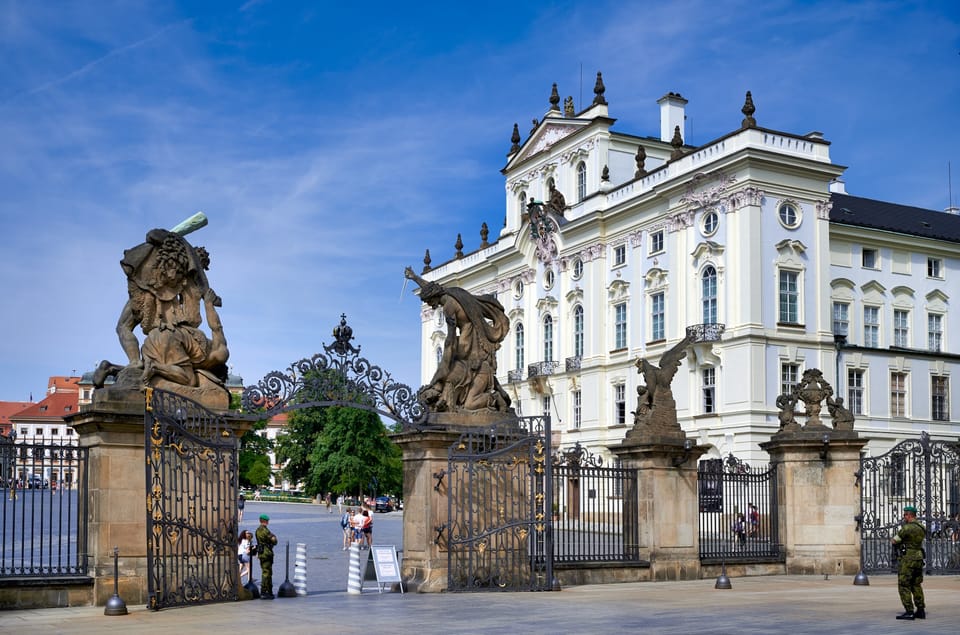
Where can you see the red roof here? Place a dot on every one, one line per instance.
(55, 406)
(7, 409)
(63, 384)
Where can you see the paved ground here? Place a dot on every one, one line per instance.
(774, 604)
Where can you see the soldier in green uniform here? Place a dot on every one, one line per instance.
(266, 540)
(910, 542)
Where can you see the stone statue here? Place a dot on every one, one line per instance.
(568, 110)
(557, 203)
(842, 418)
(655, 403)
(812, 390)
(166, 285)
(466, 379)
(787, 402)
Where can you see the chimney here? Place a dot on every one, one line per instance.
(671, 116)
(837, 186)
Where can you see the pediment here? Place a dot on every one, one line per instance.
(546, 135)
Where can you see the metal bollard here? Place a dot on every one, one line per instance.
(115, 605)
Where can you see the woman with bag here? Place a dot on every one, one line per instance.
(243, 554)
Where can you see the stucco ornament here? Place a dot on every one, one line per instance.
(466, 379)
(169, 297)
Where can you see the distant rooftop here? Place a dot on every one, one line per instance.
(902, 219)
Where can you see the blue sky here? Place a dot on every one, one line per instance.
(331, 143)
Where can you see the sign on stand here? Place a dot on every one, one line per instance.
(385, 569)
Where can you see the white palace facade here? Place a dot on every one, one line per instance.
(750, 239)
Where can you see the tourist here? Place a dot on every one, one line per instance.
(240, 503)
(243, 554)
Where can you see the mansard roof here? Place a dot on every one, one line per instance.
(902, 219)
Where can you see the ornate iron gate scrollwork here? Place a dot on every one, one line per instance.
(499, 491)
(191, 472)
(917, 472)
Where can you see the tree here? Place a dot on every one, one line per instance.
(254, 463)
(351, 451)
(296, 443)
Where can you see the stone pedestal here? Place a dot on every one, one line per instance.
(666, 504)
(818, 498)
(424, 567)
(116, 504)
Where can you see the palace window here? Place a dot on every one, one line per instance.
(657, 330)
(901, 328)
(619, 255)
(934, 332)
(708, 285)
(935, 268)
(939, 398)
(898, 394)
(789, 377)
(577, 409)
(578, 331)
(709, 390)
(620, 404)
(518, 345)
(581, 181)
(870, 259)
(855, 387)
(789, 297)
(656, 242)
(871, 326)
(841, 318)
(789, 216)
(577, 269)
(548, 339)
(620, 326)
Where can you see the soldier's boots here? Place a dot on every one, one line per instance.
(920, 614)
(906, 615)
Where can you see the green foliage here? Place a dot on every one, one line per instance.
(254, 462)
(294, 446)
(352, 452)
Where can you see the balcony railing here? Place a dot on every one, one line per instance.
(514, 376)
(573, 363)
(541, 368)
(706, 332)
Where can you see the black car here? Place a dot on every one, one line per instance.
(383, 504)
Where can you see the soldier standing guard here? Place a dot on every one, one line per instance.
(910, 542)
(266, 540)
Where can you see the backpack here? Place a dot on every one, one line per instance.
(345, 520)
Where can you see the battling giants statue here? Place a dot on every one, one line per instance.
(466, 379)
(166, 283)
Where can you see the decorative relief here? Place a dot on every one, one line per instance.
(743, 198)
(680, 220)
(547, 304)
(618, 290)
(592, 252)
(823, 209)
(550, 135)
(581, 151)
(635, 238)
(656, 279)
(700, 197)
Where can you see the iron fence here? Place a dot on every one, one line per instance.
(594, 510)
(738, 512)
(43, 519)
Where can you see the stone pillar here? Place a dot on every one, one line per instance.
(666, 503)
(818, 498)
(116, 503)
(424, 566)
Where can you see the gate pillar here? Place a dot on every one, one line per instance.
(818, 499)
(117, 494)
(666, 504)
(424, 566)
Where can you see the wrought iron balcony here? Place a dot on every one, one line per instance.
(541, 368)
(706, 332)
(573, 363)
(513, 376)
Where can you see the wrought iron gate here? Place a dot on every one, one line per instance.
(499, 535)
(922, 473)
(191, 471)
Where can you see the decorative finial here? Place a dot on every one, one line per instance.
(342, 334)
(598, 90)
(484, 234)
(568, 107)
(555, 98)
(677, 143)
(515, 140)
(426, 262)
(748, 110)
(459, 247)
(605, 174)
(536, 122)
(641, 158)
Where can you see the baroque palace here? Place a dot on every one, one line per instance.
(615, 246)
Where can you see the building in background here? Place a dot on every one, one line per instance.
(750, 241)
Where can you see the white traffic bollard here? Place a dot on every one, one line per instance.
(353, 580)
(300, 570)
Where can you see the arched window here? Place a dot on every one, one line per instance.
(581, 181)
(439, 354)
(548, 339)
(709, 295)
(518, 345)
(578, 331)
